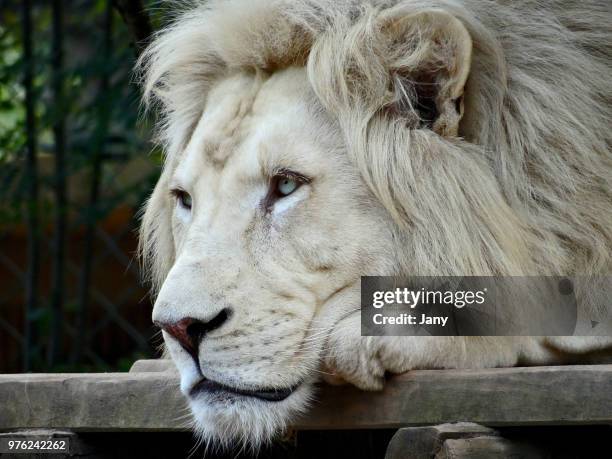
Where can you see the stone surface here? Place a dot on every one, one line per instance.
(151, 401)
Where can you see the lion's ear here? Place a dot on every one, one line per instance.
(428, 55)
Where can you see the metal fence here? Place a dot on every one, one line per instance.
(75, 165)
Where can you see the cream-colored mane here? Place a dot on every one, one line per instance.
(507, 170)
(537, 111)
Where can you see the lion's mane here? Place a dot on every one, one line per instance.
(538, 114)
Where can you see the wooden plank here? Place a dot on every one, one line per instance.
(425, 442)
(488, 448)
(152, 366)
(580, 394)
(92, 402)
(150, 401)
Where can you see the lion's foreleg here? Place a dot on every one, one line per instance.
(364, 360)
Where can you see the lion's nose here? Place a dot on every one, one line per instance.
(189, 332)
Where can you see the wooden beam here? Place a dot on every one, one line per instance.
(150, 401)
(580, 394)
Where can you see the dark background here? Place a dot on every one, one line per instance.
(76, 164)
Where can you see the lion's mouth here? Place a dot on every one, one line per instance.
(268, 394)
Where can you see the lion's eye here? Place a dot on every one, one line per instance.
(282, 184)
(286, 182)
(183, 198)
(285, 186)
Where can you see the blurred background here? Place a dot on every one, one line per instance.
(76, 164)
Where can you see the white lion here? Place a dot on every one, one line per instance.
(310, 142)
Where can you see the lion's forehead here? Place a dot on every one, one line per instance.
(252, 124)
(230, 103)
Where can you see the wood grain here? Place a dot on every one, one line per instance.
(150, 400)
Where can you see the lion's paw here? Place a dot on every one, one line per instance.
(363, 361)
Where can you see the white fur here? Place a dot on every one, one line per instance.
(512, 178)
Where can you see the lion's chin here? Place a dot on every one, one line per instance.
(232, 420)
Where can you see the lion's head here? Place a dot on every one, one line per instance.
(309, 143)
